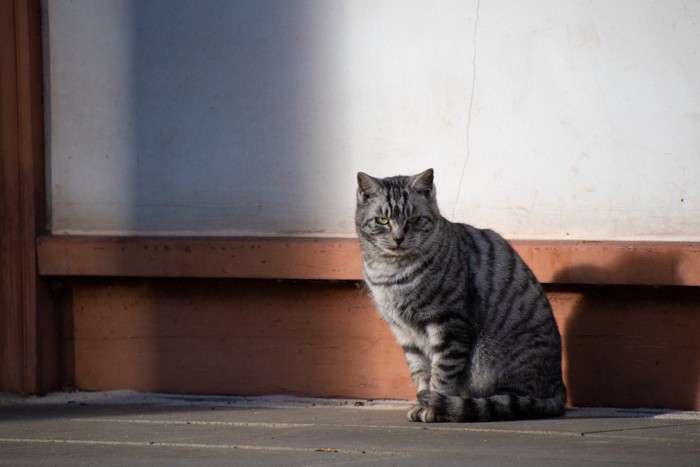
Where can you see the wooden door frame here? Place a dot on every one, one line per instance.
(29, 341)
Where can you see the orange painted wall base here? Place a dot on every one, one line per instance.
(624, 346)
(240, 337)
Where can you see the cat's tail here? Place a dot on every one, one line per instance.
(436, 407)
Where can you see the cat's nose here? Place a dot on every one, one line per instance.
(398, 240)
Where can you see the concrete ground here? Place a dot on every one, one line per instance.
(127, 428)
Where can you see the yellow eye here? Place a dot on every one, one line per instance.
(412, 220)
(381, 220)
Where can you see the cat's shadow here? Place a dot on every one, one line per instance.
(629, 346)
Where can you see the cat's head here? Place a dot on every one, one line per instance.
(396, 214)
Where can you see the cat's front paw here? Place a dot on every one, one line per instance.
(429, 408)
(422, 414)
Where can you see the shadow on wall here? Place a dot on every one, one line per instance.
(236, 110)
(231, 121)
(235, 337)
(629, 346)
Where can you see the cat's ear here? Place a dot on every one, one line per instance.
(366, 186)
(423, 182)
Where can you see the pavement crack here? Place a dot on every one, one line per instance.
(637, 428)
(209, 446)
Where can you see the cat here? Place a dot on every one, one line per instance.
(475, 325)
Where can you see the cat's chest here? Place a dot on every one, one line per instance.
(397, 305)
(395, 288)
(388, 299)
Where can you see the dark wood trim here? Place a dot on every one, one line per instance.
(339, 259)
(28, 341)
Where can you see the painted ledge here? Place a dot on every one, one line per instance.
(642, 263)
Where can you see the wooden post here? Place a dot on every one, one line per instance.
(28, 337)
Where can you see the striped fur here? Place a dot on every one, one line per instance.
(474, 323)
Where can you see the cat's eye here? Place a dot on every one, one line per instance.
(413, 219)
(381, 220)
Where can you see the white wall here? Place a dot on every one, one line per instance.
(543, 119)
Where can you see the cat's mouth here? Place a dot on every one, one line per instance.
(398, 250)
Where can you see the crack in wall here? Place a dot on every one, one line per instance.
(469, 110)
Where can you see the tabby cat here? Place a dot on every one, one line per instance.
(475, 325)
